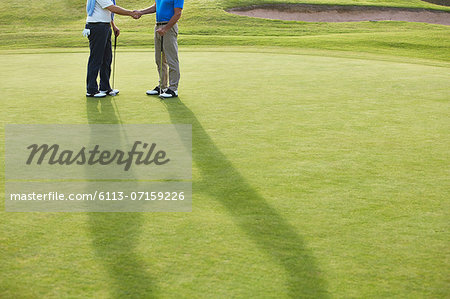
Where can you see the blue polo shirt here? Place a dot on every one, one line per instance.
(165, 9)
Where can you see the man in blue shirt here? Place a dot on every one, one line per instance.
(168, 12)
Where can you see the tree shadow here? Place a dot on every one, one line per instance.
(264, 225)
(115, 236)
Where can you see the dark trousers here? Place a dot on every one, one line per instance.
(100, 57)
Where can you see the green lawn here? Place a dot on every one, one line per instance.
(313, 176)
(320, 157)
(204, 22)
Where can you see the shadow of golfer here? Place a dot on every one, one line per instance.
(115, 235)
(249, 210)
(101, 111)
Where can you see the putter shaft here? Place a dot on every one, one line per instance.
(114, 62)
(161, 67)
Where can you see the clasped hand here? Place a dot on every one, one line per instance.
(136, 14)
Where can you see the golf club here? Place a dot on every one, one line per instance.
(113, 79)
(114, 66)
(161, 69)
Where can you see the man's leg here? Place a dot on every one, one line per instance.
(97, 42)
(163, 77)
(171, 53)
(105, 70)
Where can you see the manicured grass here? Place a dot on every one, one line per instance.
(205, 22)
(320, 157)
(313, 176)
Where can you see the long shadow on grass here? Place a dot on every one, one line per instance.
(249, 210)
(115, 235)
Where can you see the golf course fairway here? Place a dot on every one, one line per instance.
(313, 176)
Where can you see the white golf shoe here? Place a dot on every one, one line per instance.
(96, 95)
(111, 92)
(169, 93)
(153, 92)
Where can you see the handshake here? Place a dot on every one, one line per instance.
(136, 14)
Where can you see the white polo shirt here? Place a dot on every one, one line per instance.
(100, 13)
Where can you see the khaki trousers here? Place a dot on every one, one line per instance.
(170, 64)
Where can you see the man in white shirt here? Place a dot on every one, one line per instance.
(99, 21)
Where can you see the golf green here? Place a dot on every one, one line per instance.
(313, 176)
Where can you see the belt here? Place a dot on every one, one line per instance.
(102, 23)
(161, 23)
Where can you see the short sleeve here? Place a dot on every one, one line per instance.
(105, 3)
(178, 4)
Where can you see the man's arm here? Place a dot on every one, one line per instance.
(121, 11)
(115, 29)
(148, 10)
(172, 21)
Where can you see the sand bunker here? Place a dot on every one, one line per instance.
(341, 13)
(439, 2)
